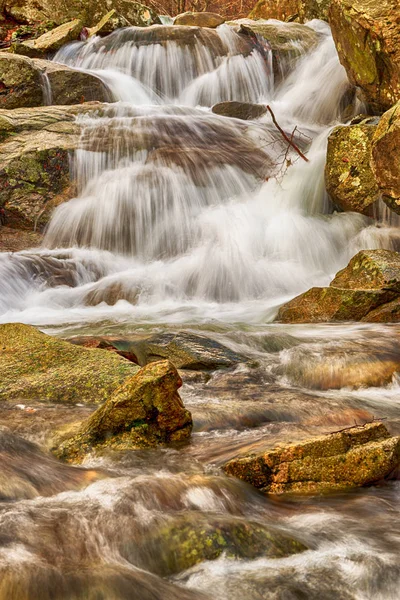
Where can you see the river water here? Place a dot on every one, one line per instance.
(192, 222)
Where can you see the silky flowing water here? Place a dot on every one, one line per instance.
(186, 221)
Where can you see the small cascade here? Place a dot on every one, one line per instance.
(46, 87)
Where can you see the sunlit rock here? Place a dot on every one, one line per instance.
(145, 411)
(339, 461)
(199, 19)
(49, 42)
(385, 157)
(367, 37)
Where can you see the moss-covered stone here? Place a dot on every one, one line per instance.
(352, 458)
(38, 366)
(349, 179)
(20, 82)
(145, 411)
(369, 282)
(367, 38)
(49, 42)
(192, 538)
(386, 157)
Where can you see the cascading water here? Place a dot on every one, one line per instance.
(188, 220)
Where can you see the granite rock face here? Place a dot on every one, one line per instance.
(385, 160)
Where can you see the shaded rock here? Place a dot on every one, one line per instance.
(199, 19)
(104, 344)
(145, 411)
(184, 350)
(27, 472)
(38, 366)
(352, 458)
(387, 313)
(239, 110)
(109, 23)
(291, 10)
(14, 240)
(89, 11)
(349, 178)
(193, 538)
(385, 157)
(49, 42)
(367, 37)
(20, 82)
(370, 281)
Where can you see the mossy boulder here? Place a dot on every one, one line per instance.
(367, 37)
(340, 461)
(199, 19)
(20, 82)
(386, 157)
(369, 283)
(191, 538)
(109, 23)
(145, 411)
(349, 178)
(291, 10)
(49, 42)
(41, 367)
(240, 110)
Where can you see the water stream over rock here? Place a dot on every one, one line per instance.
(188, 221)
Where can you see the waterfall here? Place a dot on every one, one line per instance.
(183, 214)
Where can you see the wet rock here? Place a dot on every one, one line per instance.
(199, 19)
(349, 178)
(367, 38)
(109, 23)
(38, 366)
(193, 538)
(385, 157)
(105, 344)
(145, 411)
(35, 161)
(355, 457)
(185, 351)
(89, 11)
(369, 282)
(20, 82)
(291, 10)
(49, 42)
(239, 110)
(27, 472)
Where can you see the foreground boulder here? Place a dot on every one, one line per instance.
(385, 157)
(355, 457)
(36, 366)
(368, 289)
(27, 472)
(49, 42)
(199, 19)
(349, 178)
(291, 10)
(89, 11)
(367, 37)
(145, 411)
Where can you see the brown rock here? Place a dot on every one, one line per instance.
(291, 10)
(239, 110)
(385, 157)
(49, 42)
(199, 19)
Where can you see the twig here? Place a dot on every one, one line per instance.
(288, 139)
(374, 420)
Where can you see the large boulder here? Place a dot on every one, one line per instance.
(38, 366)
(27, 83)
(367, 37)
(35, 161)
(291, 10)
(349, 178)
(386, 159)
(199, 19)
(49, 42)
(351, 458)
(369, 283)
(89, 11)
(145, 411)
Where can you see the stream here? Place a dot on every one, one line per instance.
(188, 221)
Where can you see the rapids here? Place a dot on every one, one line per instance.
(190, 221)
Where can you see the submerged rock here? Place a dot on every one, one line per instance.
(145, 411)
(240, 110)
(49, 42)
(369, 283)
(385, 157)
(38, 366)
(355, 457)
(199, 19)
(27, 472)
(367, 37)
(192, 538)
(291, 10)
(349, 178)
